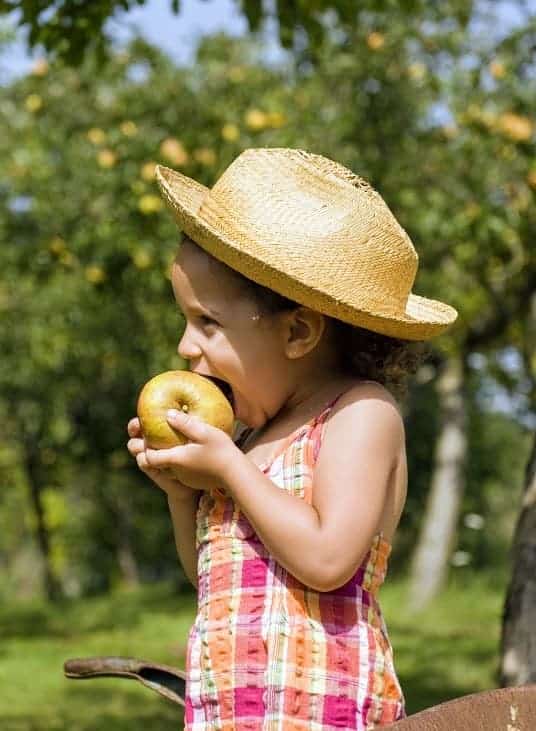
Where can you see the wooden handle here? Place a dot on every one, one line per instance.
(164, 679)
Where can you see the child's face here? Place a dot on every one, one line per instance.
(227, 337)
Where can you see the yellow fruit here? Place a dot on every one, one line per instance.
(57, 245)
(142, 259)
(33, 102)
(183, 391)
(150, 204)
(106, 158)
(40, 67)
(375, 40)
(516, 127)
(230, 132)
(497, 69)
(174, 151)
(95, 274)
(205, 155)
(96, 136)
(417, 71)
(147, 170)
(255, 119)
(129, 129)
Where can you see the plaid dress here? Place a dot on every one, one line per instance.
(268, 652)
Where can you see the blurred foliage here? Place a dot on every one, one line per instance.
(439, 120)
(497, 451)
(72, 29)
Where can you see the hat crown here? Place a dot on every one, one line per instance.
(300, 208)
(313, 231)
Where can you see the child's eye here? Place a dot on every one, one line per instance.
(207, 320)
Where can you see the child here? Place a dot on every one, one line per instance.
(295, 281)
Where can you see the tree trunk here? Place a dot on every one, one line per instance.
(50, 581)
(518, 641)
(430, 560)
(126, 557)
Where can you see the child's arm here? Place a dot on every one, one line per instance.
(323, 544)
(183, 509)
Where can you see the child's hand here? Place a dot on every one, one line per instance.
(200, 463)
(161, 477)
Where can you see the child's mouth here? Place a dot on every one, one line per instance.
(225, 388)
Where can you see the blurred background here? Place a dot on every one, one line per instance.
(433, 103)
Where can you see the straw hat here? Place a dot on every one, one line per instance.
(313, 231)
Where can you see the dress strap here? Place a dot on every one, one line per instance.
(317, 433)
(334, 401)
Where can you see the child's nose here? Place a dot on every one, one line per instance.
(187, 347)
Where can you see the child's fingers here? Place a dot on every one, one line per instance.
(135, 446)
(192, 427)
(153, 472)
(160, 458)
(137, 449)
(134, 427)
(141, 459)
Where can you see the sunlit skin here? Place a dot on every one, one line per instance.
(281, 369)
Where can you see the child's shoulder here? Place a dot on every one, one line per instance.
(366, 406)
(368, 391)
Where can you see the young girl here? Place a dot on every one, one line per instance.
(295, 281)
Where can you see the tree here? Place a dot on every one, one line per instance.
(518, 655)
(489, 164)
(71, 29)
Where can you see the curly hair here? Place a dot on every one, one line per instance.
(360, 353)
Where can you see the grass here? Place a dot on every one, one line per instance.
(449, 650)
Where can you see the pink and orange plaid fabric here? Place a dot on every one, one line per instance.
(267, 652)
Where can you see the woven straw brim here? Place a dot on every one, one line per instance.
(423, 318)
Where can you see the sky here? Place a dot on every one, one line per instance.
(176, 34)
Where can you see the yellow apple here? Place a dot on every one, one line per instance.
(183, 391)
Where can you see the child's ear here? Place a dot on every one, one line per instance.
(304, 331)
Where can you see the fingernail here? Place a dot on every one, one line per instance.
(172, 414)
